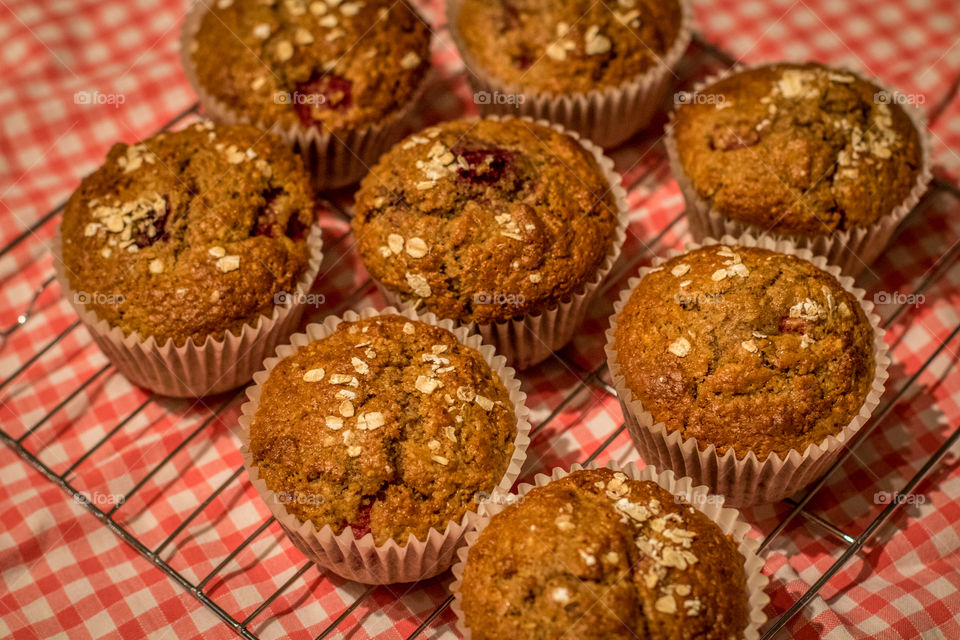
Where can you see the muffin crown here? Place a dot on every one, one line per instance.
(798, 148)
(745, 349)
(189, 234)
(567, 46)
(598, 555)
(485, 220)
(338, 65)
(387, 425)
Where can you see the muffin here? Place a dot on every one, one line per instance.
(491, 221)
(743, 351)
(595, 554)
(578, 63)
(189, 238)
(797, 149)
(382, 429)
(311, 70)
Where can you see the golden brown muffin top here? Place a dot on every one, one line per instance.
(189, 234)
(598, 555)
(798, 149)
(567, 46)
(387, 425)
(333, 64)
(746, 349)
(484, 220)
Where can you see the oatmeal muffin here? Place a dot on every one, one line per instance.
(745, 349)
(388, 426)
(798, 149)
(567, 46)
(598, 555)
(336, 66)
(189, 235)
(484, 220)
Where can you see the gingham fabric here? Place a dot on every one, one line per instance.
(81, 74)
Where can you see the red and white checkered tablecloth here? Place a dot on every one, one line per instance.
(65, 574)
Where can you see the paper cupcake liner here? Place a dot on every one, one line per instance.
(528, 340)
(851, 249)
(333, 159)
(727, 519)
(606, 116)
(744, 480)
(362, 560)
(191, 371)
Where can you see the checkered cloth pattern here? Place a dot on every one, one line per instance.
(81, 74)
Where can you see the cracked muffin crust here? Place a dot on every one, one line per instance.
(189, 234)
(799, 149)
(746, 349)
(598, 555)
(568, 46)
(328, 64)
(484, 220)
(388, 426)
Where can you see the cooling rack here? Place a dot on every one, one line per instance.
(222, 535)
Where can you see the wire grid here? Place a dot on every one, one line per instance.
(590, 377)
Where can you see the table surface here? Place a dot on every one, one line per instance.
(189, 511)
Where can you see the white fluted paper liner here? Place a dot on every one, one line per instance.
(851, 249)
(744, 479)
(727, 519)
(608, 116)
(362, 560)
(530, 339)
(191, 371)
(333, 159)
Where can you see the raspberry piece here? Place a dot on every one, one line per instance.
(321, 91)
(730, 138)
(267, 220)
(361, 524)
(485, 166)
(155, 223)
(793, 325)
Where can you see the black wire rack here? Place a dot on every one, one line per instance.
(849, 543)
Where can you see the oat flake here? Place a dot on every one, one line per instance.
(680, 347)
